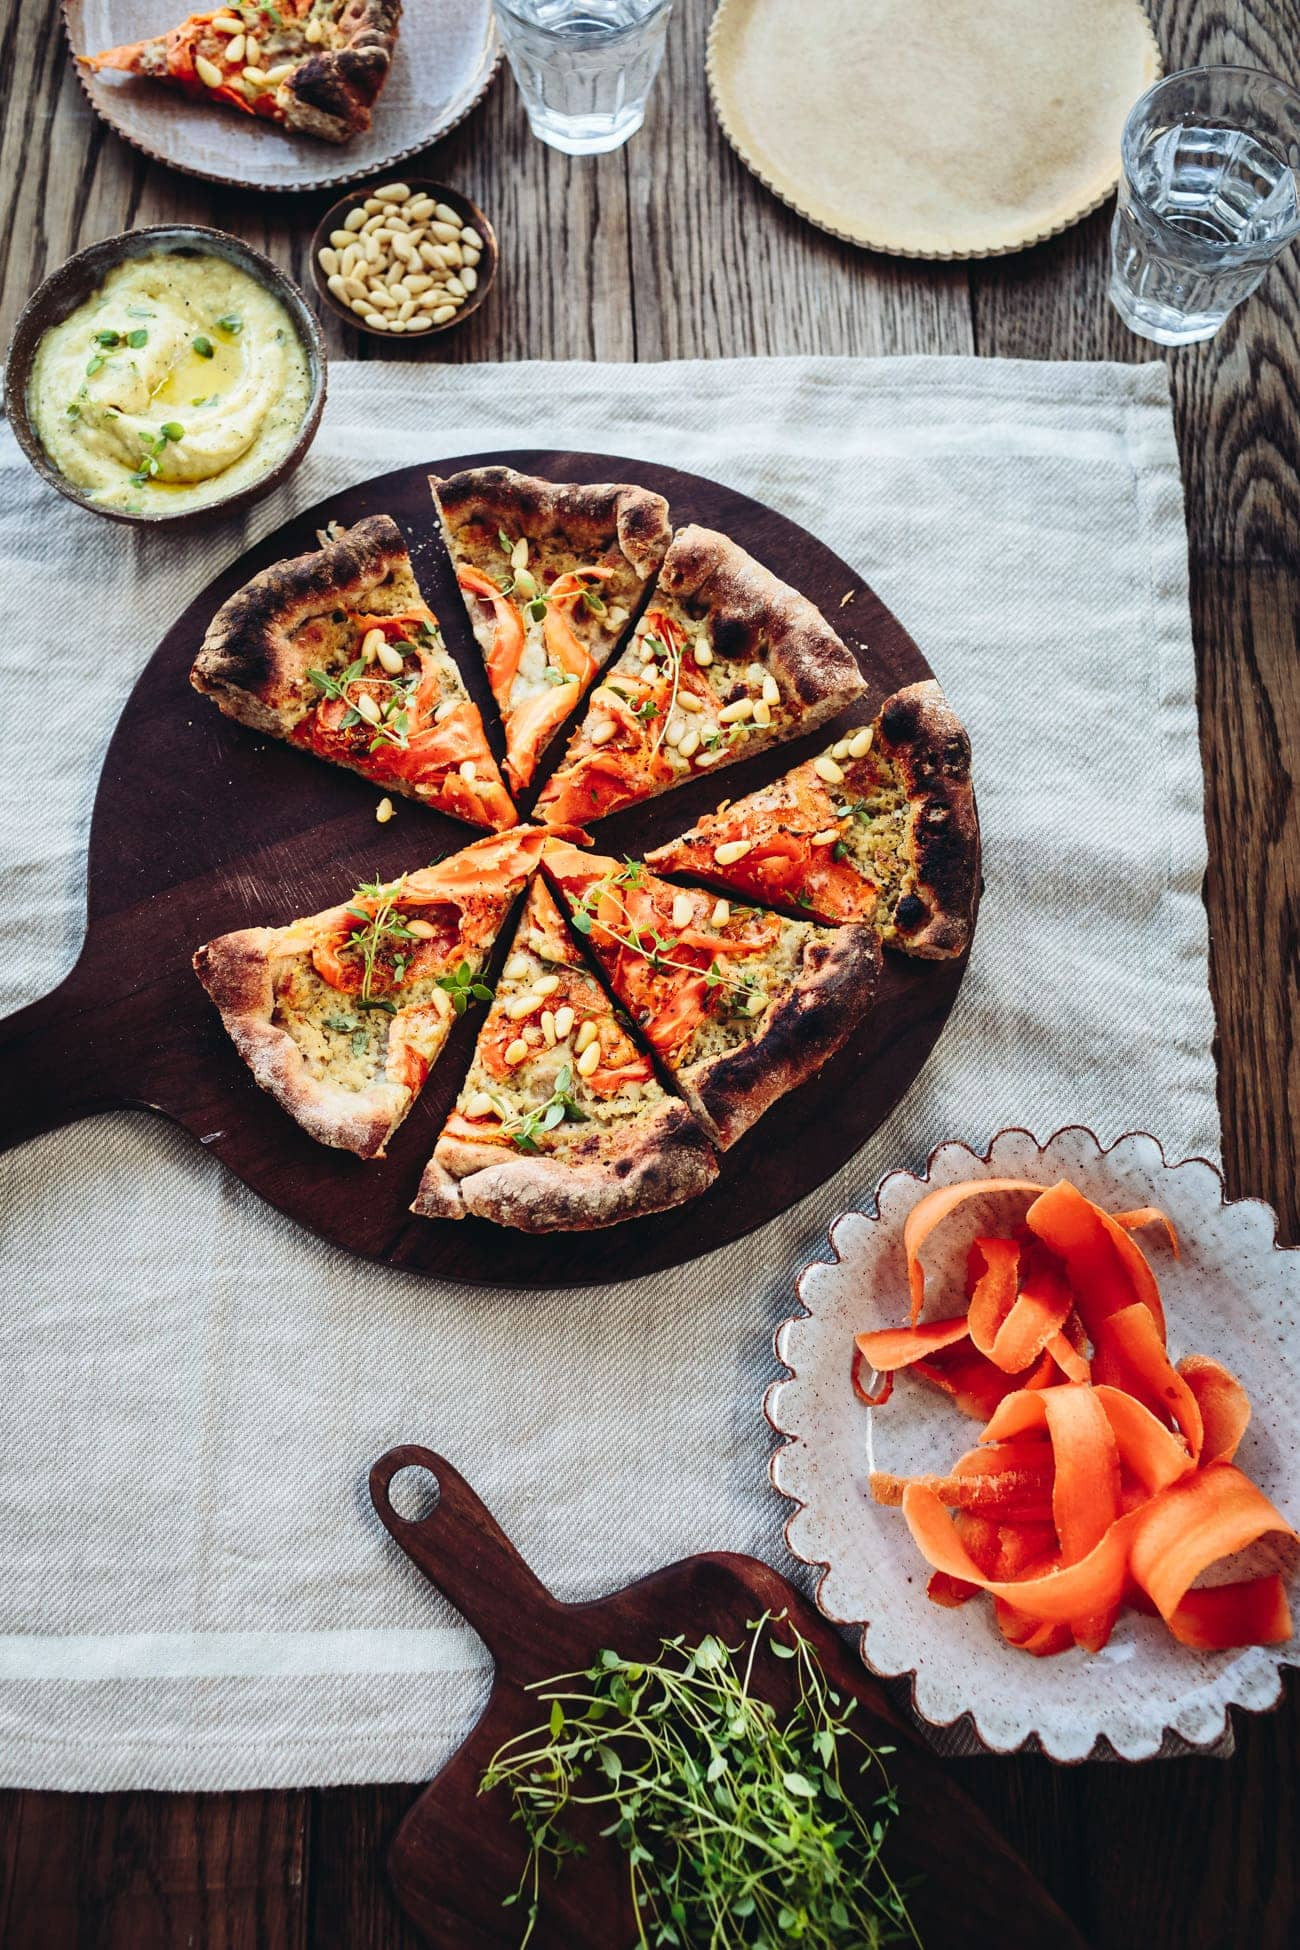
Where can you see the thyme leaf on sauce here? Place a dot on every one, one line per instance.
(524, 1131)
(377, 932)
(464, 987)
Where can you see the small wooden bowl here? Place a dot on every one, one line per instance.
(68, 287)
(419, 186)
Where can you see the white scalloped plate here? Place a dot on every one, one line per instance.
(1233, 1293)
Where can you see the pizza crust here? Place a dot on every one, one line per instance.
(587, 516)
(814, 1016)
(660, 1159)
(922, 735)
(752, 614)
(236, 972)
(330, 94)
(248, 662)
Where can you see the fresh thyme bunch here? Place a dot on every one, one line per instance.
(738, 1829)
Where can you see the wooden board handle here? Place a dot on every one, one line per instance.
(61, 1058)
(462, 1549)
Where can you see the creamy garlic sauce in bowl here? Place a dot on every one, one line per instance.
(180, 381)
(164, 377)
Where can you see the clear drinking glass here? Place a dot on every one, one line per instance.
(585, 68)
(1207, 199)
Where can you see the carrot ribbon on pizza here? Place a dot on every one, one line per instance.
(551, 574)
(337, 652)
(725, 661)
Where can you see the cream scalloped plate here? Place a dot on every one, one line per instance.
(1233, 1293)
(932, 128)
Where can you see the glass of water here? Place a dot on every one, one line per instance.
(585, 68)
(1207, 199)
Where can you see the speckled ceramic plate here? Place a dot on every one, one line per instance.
(446, 55)
(1233, 1293)
(932, 128)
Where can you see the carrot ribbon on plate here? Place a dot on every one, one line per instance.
(1104, 1473)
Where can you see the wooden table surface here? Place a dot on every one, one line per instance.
(667, 250)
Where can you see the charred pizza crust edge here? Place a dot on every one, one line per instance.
(247, 663)
(332, 90)
(748, 606)
(929, 744)
(635, 516)
(833, 991)
(661, 1159)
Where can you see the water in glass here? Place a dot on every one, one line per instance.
(1206, 201)
(585, 68)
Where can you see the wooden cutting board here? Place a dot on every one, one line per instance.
(457, 1854)
(201, 826)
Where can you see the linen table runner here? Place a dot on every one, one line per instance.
(197, 1595)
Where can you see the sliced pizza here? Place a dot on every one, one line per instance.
(338, 652)
(561, 1123)
(882, 827)
(738, 1004)
(313, 67)
(551, 573)
(725, 661)
(341, 1016)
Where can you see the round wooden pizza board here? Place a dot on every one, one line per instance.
(201, 826)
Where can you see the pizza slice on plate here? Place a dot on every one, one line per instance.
(313, 67)
(341, 1015)
(725, 661)
(739, 1005)
(551, 573)
(881, 827)
(338, 652)
(561, 1122)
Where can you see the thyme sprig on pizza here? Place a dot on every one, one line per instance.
(391, 689)
(338, 653)
(601, 903)
(379, 927)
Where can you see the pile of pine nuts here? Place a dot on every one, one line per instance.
(401, 261)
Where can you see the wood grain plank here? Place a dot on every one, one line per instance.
(352, 1907)
(11, 1806)
(1250, 728)
(671, 249)
(720, 267)
(159, 1872)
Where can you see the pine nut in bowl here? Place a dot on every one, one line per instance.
(404, 260)
(166, 374)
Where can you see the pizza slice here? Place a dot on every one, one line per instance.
(882, 827)
(561, 1122)
(551, 573)
(739, 1005)
(314, 67)
(342, 1015)
(338, 652)
(726, 661)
